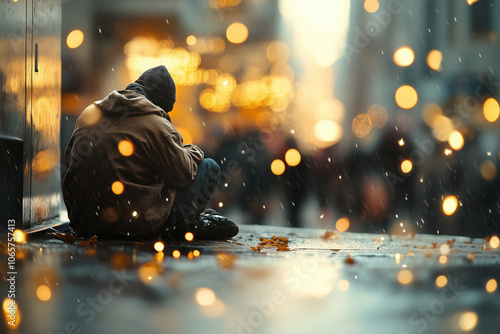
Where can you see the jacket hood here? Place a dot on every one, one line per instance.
(158, 86)
(128, 103)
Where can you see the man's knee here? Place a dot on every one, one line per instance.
(210, 168)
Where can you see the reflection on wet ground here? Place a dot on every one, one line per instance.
(326, 282)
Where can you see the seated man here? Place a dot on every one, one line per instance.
(129, 174)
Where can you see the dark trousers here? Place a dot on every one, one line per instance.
(189, 202)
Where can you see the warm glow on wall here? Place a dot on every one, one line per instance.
(75, 39)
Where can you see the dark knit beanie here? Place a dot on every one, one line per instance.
(159, 87)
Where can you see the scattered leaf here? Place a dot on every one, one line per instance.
(281, 244)
(471, 256)
(349, 260)
(451, 242)
(225, 260)
(66, 237)
(330, 235)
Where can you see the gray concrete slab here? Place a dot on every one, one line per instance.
(128, 287)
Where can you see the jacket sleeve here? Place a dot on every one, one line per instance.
(177, 164)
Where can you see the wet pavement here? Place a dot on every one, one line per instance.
(324, 283)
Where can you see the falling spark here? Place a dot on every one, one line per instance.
(221, 204)
(447, 151)
(189, 236)
(196, 253)
(176, 254)
(401, 142)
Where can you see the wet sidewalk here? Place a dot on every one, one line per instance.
(302, 281)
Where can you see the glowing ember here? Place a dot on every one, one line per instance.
(443, 259)
(441, 281)
(371, 6)
(342, 224)
(456, 140)
(278, 167)
(43, 293)
(404, 56)
(450, 205)
(205, 296)
(491, 110)
(406, 166)
(176, 254)
(159, 246)
(398, 257)
(405, 277)
(237, 33)
(343, 285)
(189, 236)
(19, 236)
(494, 242)
(292, 157)
(126, 148)
(491, 285)
(444, 249)
(406, 97)
(468, 321)
(434, 58)
(117, 187)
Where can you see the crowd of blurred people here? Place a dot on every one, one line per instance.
(366, 185)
